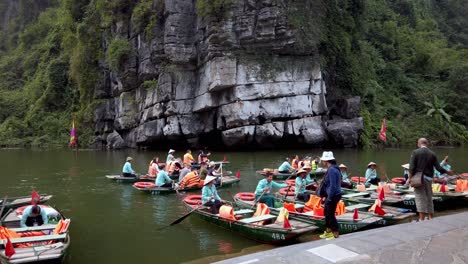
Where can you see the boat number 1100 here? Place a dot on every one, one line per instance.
(278, 236)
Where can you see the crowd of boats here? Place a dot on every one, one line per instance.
(367, 202)
(31, 231)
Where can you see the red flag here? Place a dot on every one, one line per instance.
(286, 223)
(381, 195)
(378, 210)
(9, 249)
(443, 188)
(35, 198)
(238, 174)
(355, 215)
(225, 159)
(383, 131)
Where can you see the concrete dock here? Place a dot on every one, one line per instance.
(441, 240)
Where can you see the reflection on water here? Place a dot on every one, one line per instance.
(113, 223)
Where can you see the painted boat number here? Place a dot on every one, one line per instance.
(349, 227)
(278, 236)
(409, 202)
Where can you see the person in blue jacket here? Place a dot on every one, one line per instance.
(127, 170)
(163, 180)
(300, 187)
(371, 174)
(330, 192)
(33, 215)
(264, 187)
(286, 167)
(210, 195)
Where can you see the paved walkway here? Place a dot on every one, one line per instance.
(442, 240)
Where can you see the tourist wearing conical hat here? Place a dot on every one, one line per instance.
(210, 195)
(371, 174)
(405, 171)
(345, 182)
(127, 170)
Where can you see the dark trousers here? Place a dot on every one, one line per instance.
(214, 206)
(167, 184)
(30, 221)
(375, 181)
(303, 197)
(128, 175)
(329, 211)
(267, 199)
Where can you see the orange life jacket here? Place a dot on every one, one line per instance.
(262, 209)
(152, 171)
(340, 208)
(190, 180)
(314, 202)
(226, 211)
(289, 206)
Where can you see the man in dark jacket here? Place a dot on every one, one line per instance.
(424, 160)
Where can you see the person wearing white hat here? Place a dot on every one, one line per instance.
(300, 187)
(170, 155)
(127, 170)
(330, 192)
(371, 174)
(345, 182)
(210, 196)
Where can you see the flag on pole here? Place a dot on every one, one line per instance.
(225, 159)
(35, 198)
(73, 134)
(238, 174)
(9, 249)
(381, 195)
(383, 131)
(355, 214)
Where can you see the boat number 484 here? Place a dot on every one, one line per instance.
(278, 236)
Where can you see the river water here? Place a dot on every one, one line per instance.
(113, 223)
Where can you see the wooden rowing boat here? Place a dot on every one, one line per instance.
(15, 202)
(36, 244)
(146, 177)
(248, 226)
(345, 222)
(227, 181)
(217, 163)
(283, 176)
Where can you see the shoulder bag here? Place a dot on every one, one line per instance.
(416, 180)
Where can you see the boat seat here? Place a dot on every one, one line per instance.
(33, 228)
(34, 239)
(310, 213)
(257, 219)
(243, 211)
(357, 206)
(359, 194)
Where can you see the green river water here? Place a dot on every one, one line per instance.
(113, 223)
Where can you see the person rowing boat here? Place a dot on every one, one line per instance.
(301, 183)
(127, 170)
(264, 188)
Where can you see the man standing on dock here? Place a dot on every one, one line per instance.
(424, 160)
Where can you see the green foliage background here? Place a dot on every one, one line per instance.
(403, 57)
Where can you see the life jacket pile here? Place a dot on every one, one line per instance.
(461, 185)
(262, 209)
(315, 204)
(191, 180)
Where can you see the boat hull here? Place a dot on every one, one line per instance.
(166, 190)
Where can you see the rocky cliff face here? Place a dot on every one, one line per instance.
(243, 80)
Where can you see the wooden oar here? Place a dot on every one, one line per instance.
(232, 196)
(256, 201)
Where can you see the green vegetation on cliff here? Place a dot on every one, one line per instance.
(407, 59)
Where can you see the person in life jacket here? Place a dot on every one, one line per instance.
(190, 180)
(188, 158)
(153, 167)
(314, 164)
(33, 215)
(295, 162)
(203, 157)
(210, 196)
